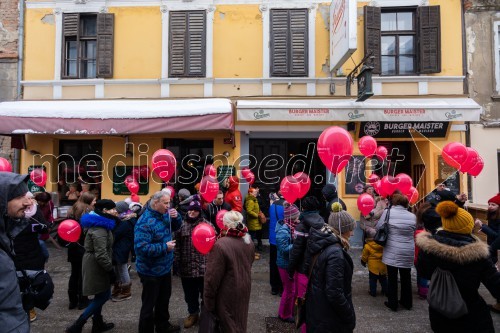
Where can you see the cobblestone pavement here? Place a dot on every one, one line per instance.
(372, 315)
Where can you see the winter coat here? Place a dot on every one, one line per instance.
(97, 260)
(466, 258)
(26, 245)
(371, 219)
(276, 212)
(372, 255)
(299, 257)
(123, 235)
(492, 230)
(329, 192)
(252, 210)
(228, 282)
(211, 213)
(191, 263)
(284, 244)
(399, 251)
(151, 234)
(233, 195)
(13, 319)
(77, 249)
(329, 305)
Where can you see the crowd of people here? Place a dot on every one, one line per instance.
(309, 256)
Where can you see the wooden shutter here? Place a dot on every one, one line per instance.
(196, 44)
(177, 43)
(429, 37)
(279, 42)
(71, 30)
(105, 45)
(372, 35)
(298, 42)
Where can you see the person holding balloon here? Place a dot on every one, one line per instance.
(97, 264)
(254, 226)
(215, 207)
(191, 263)
(370, 220)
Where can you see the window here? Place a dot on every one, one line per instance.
(187, 44)
(289, 44)
(391, 36)
(88, 46)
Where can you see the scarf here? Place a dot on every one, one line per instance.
(291, 224)
(233, 232)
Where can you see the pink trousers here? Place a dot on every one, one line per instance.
(288, 297)
(301, 288)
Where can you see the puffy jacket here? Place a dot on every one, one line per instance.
(329, 305)
(26, 245)
(466, 257)
(372, 255)
(233, 195)
(276, 212)
(97, 260)
(283, 244)
(299, 257)
(151, 234)
(124, 238)
(329, 192)
(399, 251)
(252, 210)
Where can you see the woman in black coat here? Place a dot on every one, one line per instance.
(456, 250)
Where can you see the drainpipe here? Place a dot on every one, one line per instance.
(466, 91)
(20, 64)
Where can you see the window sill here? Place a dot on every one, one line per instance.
(495, 97)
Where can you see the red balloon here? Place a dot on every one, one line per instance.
(373, 178)
(144, 171)
(472, 159)
(455, 154)
(133, 187)
(381, 152)
(203, 237)
(209, 188)
(365, 203)
(136, 172)
(305, 183)
(412, 195)
(69, 230)
(129, 179)
(172, 191)
(210, 171)
(378, 188)
(250, 178)
(335, 147)
(164, 164)
(219, 218)
(388, 184)
(244, 172)
(135, 198)
(5, 165)
(367, 145)
(476, 169)
(290, 188)
(404, 182)
(39, 177)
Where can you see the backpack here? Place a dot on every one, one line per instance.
(444, 295)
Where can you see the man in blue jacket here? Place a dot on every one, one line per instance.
(154, 249)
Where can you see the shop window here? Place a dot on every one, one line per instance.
(187, 44)
(404, 41)
(87, 46)
(79, 169)
(289, 42)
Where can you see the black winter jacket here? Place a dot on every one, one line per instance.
(329, 305)
(123, 235)
(27, 248)
(329, 192)
(466, 257)
(299, 258)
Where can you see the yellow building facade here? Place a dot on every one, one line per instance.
(231, 50)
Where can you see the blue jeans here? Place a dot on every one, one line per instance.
(95, 307)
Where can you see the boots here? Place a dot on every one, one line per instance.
(77, 326)
(116, 289)
(124, 294)
(99, 325)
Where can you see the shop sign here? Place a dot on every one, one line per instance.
(343, 32)
(381, 129)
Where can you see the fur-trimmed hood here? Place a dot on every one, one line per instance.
(94, 220)
(460, 249)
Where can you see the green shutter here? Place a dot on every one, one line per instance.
(372, 35)
(429, 37)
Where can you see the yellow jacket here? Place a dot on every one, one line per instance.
(252, 210)
(372, 255)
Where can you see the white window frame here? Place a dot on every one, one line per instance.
(496, 55)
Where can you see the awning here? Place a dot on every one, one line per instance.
(90, 117)
(408, 109)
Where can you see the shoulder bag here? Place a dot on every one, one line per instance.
(383, 232)
(299, 307)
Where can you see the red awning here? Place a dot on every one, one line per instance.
(113, 117)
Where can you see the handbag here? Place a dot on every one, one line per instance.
(383, 232)
(299, 306)
(262, 218)
(36, 288)
(208, 322)
(444, 295)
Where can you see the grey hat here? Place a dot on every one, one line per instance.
(121, 207)
(184, 193)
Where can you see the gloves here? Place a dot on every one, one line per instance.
(112, 276)
(363, 263)
(39, 228)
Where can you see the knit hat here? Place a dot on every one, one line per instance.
(194, 205)
(104, 204)
(121, 207)
(184, 193)
(17, 185)
(495, 199)
(291, 212)
(455, 219)
(340, 220)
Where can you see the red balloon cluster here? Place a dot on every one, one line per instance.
(69, 230)
(39, 177)
(164, 164)
(402, 182)
(295, 187)
(248, 175)
(465, 159)
(203, 237)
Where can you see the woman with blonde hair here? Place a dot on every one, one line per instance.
(228, 273)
